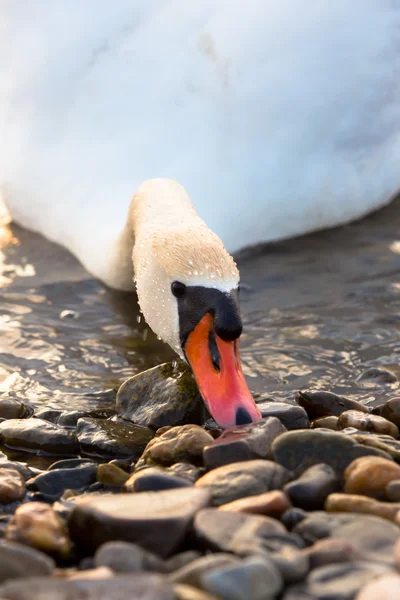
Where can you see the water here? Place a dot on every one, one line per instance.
(317, 312)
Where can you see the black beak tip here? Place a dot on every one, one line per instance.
(242, 416)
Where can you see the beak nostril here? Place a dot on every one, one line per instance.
(243, 417)
(212, 346)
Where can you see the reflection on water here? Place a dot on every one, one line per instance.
(317, 312)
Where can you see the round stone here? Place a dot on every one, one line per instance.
(369, 475)
(367, 422)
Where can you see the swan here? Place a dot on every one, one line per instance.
(278, 118)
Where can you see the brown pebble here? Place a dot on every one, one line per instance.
(368, 476)
(362, 504)
(391, 411)
(183, 443)
(112, 475)
(367, 422)
(37, 524)
(329, 551)
(392, 490)
(325, 422)
(12, 486)
(272, 504)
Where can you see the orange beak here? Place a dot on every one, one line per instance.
(223, 386)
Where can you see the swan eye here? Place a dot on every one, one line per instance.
(178, 289)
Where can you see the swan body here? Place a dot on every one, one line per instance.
(279, 118)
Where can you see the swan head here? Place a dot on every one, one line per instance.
(188, 292)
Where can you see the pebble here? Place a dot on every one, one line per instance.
(164, 395)
(54, 483)
(181, 559)
(48, 414)
(376, 376)
(157, 521)
(383, 442)
(361, 504)
(111, 475)
(342, 581)
(325, 422)
(290, 415)
(154, 479)
(372, 536)
(70, 418)
(391, 411)
(329, 551)
(18, 560)
(187, 592)
(369, 475)
(364, 422)
(242, 479)
(271, 504)
(292, 517)
(228, 531)
(184, 443)
(38, 525)
(186, 470)
(313, 486)
(14, 409)
(254, 578)
(298, 450)
(385, 587)
(292, 563)
(69, 463)
(12, 486)
(17, 466)
(106, 438)
(38, 435)
(245, 442)
(191, 573)
(125, 557)
(392, 490)
(143, 586)
(324, 404)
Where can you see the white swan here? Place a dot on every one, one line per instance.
(278, 117)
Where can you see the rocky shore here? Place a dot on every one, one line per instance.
(149, 499)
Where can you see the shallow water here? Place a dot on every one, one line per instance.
(317, 312)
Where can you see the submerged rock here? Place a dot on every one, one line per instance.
(313, 486)
(184, 443)
(14, 409)
(376, 376)
(369, 475)
(298, 450)
(363, 422)
(156, 521)
(38, 525)
(245, 442)
(102, 437)
(164, 395)
(238, 480)
(324, 404)
(37, 435)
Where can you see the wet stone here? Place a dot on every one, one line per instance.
(271, 504)
(54, 483)
(17, 466)
(392, 490)
(242, 479)
(312, 488)
(18, 560)
(124, 557)
(48, 414)
(354, 503)
(70, 418)
(154, 479)
(70, 463)
(325, 422)
(369, 475)
(376, 376)
(14, 409)
(298, 450)
(225, 531)
(324, 404)
(254, 578)
(37, 435)
(164, 395)
(184, 443)
(111, 475)
(364, 422)
(12, 486)
(147, 586)
(101, 437)
(391, 411)
(38, 525)
(156, 521)
(372, 536)
(245, 442)
(290, 415)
